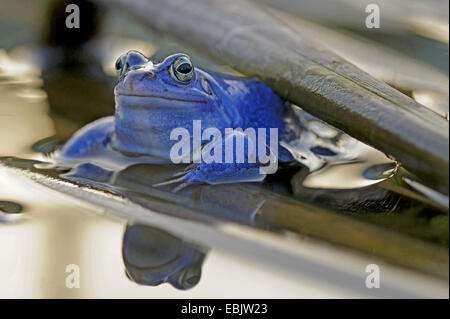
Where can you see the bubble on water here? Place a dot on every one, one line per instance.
(45, 165)
(10, 207)
(380, 171)
(9, 212)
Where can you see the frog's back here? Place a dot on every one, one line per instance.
(257, 105)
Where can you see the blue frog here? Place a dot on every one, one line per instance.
(154, 99)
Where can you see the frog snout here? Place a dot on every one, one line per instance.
(134, 58)
(139, 81)
(131, 59)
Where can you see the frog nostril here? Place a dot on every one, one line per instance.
(122, 65)
(150, 76)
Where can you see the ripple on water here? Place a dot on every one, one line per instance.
(9, 211)
(7, 207)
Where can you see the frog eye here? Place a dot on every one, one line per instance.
(121, 65)
(182, 69)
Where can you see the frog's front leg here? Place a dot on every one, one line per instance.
(88, 139)
(221, 173)
(244, 166)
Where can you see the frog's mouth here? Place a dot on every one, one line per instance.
(157, 100)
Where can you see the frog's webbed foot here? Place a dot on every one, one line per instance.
(214, 173)
(181, 177)
(174, 181)
(185, 171)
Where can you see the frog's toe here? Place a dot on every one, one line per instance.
(174, 181)
(185, 171)
(180, 187)
(186, 179)
(169, 182)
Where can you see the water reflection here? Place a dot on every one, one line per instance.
(10, 207)
(9, 211)
(153, 256)
(271, 206)
(135, 182)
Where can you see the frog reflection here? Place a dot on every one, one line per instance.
(258, 206)
(153, 256)
(270, 207)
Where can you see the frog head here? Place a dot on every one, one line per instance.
(152, 99)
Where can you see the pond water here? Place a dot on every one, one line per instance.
(294, 235)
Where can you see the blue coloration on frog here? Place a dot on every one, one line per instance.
(152, 99)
